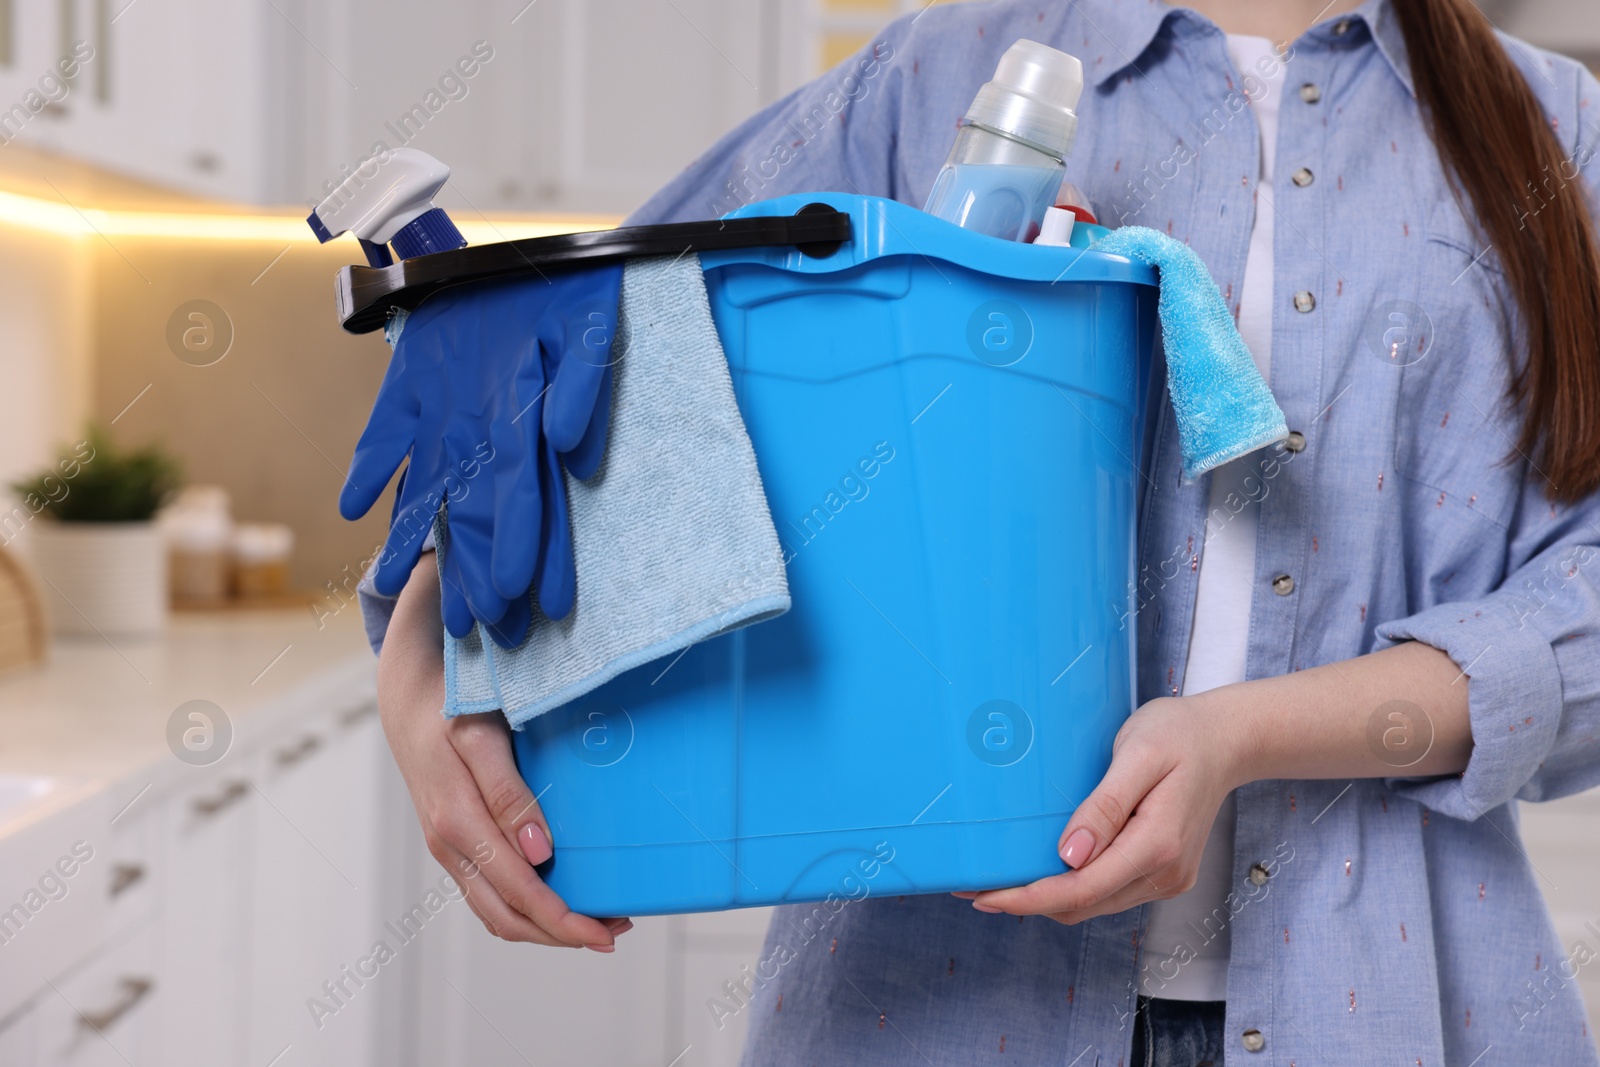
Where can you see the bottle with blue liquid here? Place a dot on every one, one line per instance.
(1010, 154)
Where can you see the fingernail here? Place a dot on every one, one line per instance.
(621, 928)
(1075, 853)
(601, 948)
(985, 908)
(535, 846)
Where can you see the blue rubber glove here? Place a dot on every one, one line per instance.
(578, 360)
(576, 354)
(568, 424)
(444, 392)
(465, 397)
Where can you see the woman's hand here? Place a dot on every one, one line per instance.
(478, 816)
(1139, 835)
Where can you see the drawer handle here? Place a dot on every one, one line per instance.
(288, 757)
(133, 991)
(125, 876)
(229, 795)
(357, 714)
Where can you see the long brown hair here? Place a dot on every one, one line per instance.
(1500, 153)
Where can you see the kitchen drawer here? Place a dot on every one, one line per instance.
(53, 897)
(204, 954)
(104, 1013)
(18, 1037)
(133, 861)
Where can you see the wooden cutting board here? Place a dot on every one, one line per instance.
(24, 637)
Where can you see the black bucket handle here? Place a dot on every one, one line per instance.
(365, 294)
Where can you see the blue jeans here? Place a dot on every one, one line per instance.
(1178, 1033)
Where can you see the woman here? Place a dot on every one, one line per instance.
(1319, 863)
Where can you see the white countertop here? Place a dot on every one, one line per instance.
(94, 718)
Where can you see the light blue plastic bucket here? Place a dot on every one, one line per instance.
(947, 429)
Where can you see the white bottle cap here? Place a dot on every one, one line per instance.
(262, 543)
(198, 520)
(1056, 229)
(1032, 96)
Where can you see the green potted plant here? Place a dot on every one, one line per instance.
(96, 542)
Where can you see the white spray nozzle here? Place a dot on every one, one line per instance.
(390, 199)
(375, 205)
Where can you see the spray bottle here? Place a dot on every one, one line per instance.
(390, 200)
(1010, 154)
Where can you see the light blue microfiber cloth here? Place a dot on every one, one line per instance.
(1223, 406)
(673, 539)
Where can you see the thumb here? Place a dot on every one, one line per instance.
(1105, 811)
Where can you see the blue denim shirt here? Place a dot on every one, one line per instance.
(1400, 921)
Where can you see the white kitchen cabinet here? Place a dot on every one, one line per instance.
(106, 1013)
(315, 885)
(134, 858)
(717, 947)
(491, 1001)
(175, 92)
(17, 1037)
(53, 901)
(583, 105)
(204, 960)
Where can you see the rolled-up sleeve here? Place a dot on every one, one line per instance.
(1529, 654)
(1529, 651)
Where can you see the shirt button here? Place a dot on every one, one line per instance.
(1303, 177)
(1310, 93)
(1304, 302)
(1341, 27)
(1283, 585)
(1252, 1041)
(1296, 441)
(1259, 874)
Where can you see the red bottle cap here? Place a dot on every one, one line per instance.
(1071, 198)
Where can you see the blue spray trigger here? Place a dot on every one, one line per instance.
(324, 235)
(377, 254)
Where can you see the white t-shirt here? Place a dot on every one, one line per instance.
(1186, 946)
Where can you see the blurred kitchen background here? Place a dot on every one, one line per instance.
(158, 283)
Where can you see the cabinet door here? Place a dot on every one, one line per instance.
(490, 1001)
(719, 951)
(105, 1013)
(17, 1038)
(183, 93)
(580, 106)
(644, 89)
(53, 882)
(204, 955)
(314, 981)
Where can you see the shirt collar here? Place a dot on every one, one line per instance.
(1125, 28)
(1384, 26)
(1128, 27)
